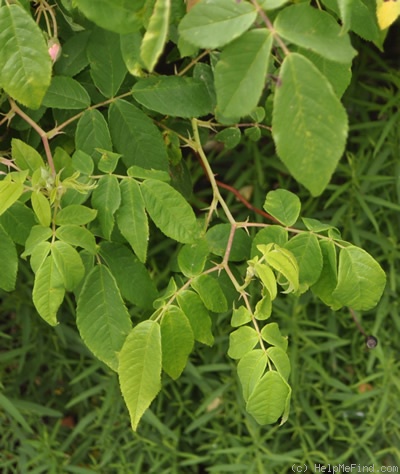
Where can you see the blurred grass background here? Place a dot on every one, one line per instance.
(61, 411)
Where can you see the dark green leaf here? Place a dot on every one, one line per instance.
(132, 218)
(136, 137)
(192, 258)
(9, 261)
(210, 292)
(66, 93)
(218, 236)
(106, 198)
(91, 133)
(107, 66)
(134, 281)
(176, 341)
(170, 212)
(197, 315)
(173, 95)
(120, 16)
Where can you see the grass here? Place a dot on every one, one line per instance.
(61, 410)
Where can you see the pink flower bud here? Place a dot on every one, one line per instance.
(54, 49)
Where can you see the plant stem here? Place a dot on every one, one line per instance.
(198, 148)
(56, 130)
(40, 131)
(270, 26)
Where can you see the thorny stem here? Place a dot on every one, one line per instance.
(40, 131)
(217, 195)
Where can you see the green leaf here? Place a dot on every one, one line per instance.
(10, 191)
(283, 205)
(218, 237)
(176, 341)
(263, 308)
(170, 211)
(315, 225)
(48, 291)
(18, 221)
(25, 64)
(136, 137)
(68, 263)
(271, 334)
(39, 255)
(37, 234)
(338, 74)
(230, 137)
(9, 261)
(82, 162)
(309, 124)
(327, 281)
(250, 370)
(267, 401)
(92, 133)
(156, 34)
(41, 207)
(240, 316)
(106, 198)
(271, 234)
(101, 316)
(268, 279)
(272, 4)
(280, 360)
(132, 218)
(361, 280)
(285, 263)
(363, 19)
(130, 49)
(242, 341)
(314, 29)
(306, 249)
(213, 23)
(143, 173)
(139, 368)
(240, 73)
(75, 214)
(73, 57)
(108, 161)
(197, 315)
(174, 96)
(25, 157)
(133, 279)
(78, 237)
(210, 293)
(107, 66)
(192, 258)
(66, 93)
(120, 16)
